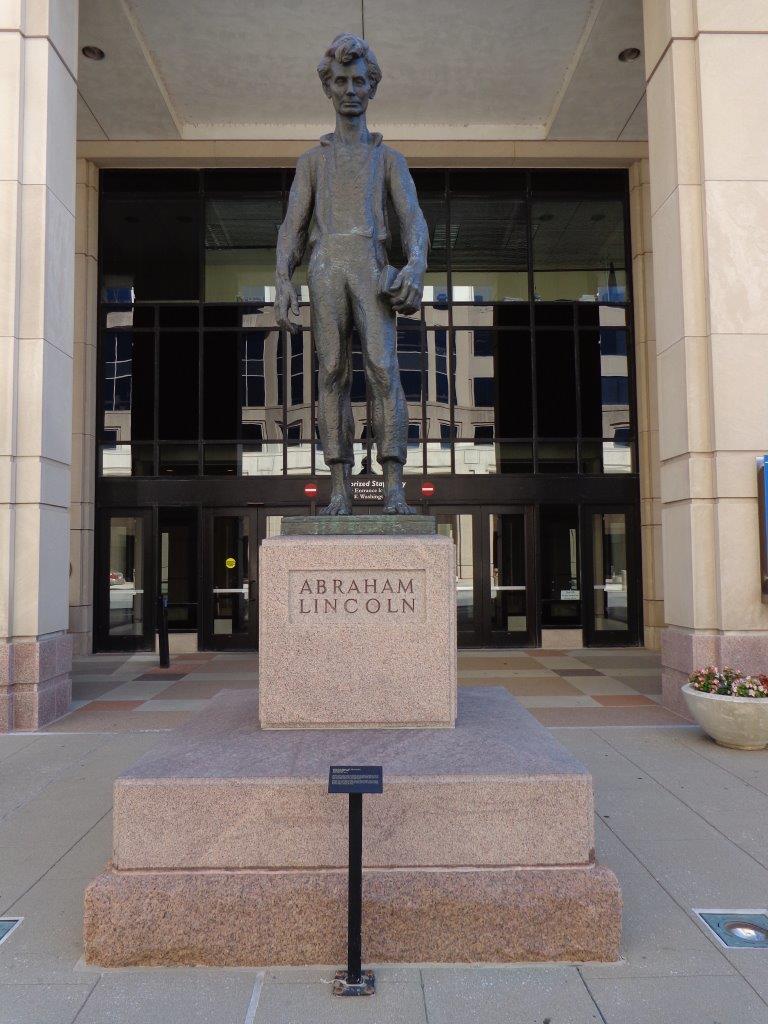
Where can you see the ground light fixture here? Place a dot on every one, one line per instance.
(93, 52)
(631, 53)
(743, 929)
(7, 925)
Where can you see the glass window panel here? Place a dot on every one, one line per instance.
(300, 458)
(128, 376)
(149, 248)
(514, 413)
(127, 460)
(489, 248)
(261, 459)
(179, 316)
(493, 382)
(436, 316)
(409, 360)
(437, 366)
(614, 456)
(609, 555)
(560, 567)
(578, 249)
(177, 530)
(473, 459)
(438, 457)
(126, 576)
(556, 456)
(240, 244)
(604, 383)
(554, 314)
(221, 386)
(220, 459)
(178, 460)
(619, 455)
(129, 316)
(177, 399)
(515, 456)
(296, 342)
(555, 383)
(459, 529)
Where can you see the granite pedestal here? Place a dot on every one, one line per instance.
(356, 630)
(228, 849)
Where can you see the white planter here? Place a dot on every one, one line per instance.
(737, 722)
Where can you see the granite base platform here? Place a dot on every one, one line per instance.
(229, 850)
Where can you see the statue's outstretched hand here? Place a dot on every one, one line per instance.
(407, 289)
(286, 300)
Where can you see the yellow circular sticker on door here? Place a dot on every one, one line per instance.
(230, 563)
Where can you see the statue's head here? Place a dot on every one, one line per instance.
(350, 74)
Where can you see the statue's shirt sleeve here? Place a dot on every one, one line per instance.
(413, 226)
(292, 236)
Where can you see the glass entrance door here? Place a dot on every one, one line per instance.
(460, 527)
(231, 584)
(495, 597)
(125, 606)
(509, 609)
(612, 603)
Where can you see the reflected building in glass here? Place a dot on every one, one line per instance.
(517, 371)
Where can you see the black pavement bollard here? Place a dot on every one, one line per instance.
(162, 631)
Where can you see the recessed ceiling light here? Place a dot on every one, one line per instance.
(93, 52)
(631, 53)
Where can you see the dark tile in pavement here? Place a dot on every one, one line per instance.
(188, 689)
(598, 716)
(85, 689)
(643, 684)
(536, 686)
(618, 700)
(157, 675)
(577, 672)
(97, 706)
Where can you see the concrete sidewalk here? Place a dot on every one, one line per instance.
(683, 823)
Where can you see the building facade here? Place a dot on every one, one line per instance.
(585, 378)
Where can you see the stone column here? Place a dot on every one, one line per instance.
(38, 64)
(707, 96)
(81, 534)
(647, 402)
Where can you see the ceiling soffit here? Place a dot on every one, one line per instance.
(244, 69)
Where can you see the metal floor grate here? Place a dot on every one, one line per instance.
(737, 929)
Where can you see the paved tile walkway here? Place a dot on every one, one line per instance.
(682, 822)
(116, 693)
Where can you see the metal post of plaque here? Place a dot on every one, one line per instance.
(355, 780)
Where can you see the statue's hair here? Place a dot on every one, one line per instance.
(344, 49)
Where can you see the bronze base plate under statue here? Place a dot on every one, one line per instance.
(357, 526)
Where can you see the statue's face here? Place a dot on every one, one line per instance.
(349, 87)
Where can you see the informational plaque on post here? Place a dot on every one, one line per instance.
(344, 778)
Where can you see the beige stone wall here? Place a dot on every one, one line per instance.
(81, 532)
(38, 64)
(707, 96)
(647, 403)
